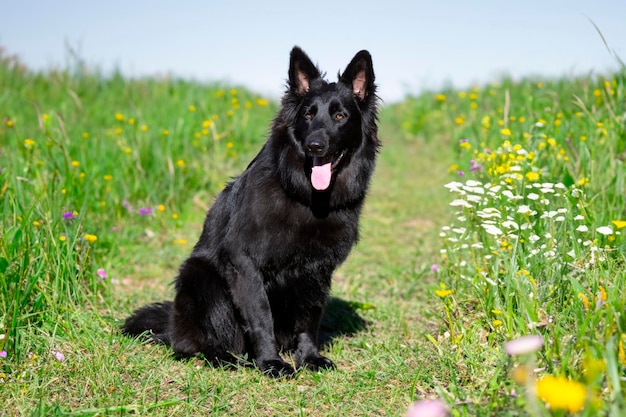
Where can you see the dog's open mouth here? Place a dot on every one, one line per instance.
(322, 171)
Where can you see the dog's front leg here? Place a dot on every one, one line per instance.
(307, 354)
(251, 301)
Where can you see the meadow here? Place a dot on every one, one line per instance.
(489, 275)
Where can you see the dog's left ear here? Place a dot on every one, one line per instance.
(360, 75)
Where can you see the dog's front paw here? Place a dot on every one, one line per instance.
(276, 368)
(318, 363)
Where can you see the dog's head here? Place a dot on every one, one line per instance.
(328, 119)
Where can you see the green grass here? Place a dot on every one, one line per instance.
(441, 288)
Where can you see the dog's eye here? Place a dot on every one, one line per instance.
(339, 116)
(308, 115)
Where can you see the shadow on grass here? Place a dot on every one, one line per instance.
(341, 319)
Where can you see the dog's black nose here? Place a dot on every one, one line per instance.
(316, 148)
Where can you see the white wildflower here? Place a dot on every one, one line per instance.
(605, 230)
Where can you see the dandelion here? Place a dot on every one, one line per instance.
(144, 128)
(75, 164)
(161, 208)
(192, 108)
(524, 344)
(532, 176)
(119, 117)
(85, 135)
(101, 273)
(62, 238)
(165, 132)
(505, 132)
(442, 291)
(262, 102)
(180, 163)
(619, 224)
(145, 211)
(29, 143)
(90, 238)
(560, 393)
(180, 241)
(497, 323)
(440, 98)
(107, 177)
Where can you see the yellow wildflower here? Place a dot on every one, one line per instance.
(622, 351)
(119, 117)
(619, 224)
(107, 177)
(192, 108)
(560, 393)
(262, 102)
(29, 143)
(496, 323)
(90, 238)
(532, 176)
(442, 291)
(584, 300)
(440, 98)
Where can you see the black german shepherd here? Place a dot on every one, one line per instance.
(257, 282)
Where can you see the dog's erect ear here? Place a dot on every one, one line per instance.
(360, 75)
(301, 71)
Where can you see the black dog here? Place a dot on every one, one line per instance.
(258, 279)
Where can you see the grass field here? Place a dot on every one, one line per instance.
(496, 212)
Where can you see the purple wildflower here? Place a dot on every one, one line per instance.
(461, 173)
(3, 354)
(59, 356)
(428, 408)
(524, 344)
(434, 268)
(101, 273)
(145, 211)
(69, 215)
(474, 166)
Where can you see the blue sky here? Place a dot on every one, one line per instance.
(414, 44)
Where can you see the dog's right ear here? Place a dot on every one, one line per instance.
(301, 71)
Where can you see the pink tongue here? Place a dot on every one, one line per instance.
(320, 176)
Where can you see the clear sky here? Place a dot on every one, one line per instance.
(415, 44)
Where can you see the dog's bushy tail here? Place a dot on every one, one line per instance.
(150, 321)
